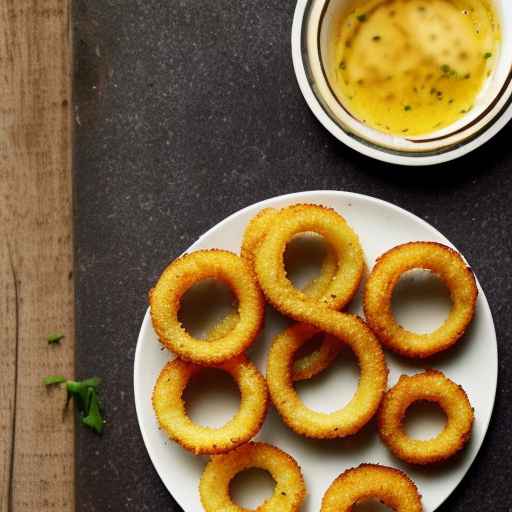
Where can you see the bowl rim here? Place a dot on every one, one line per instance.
(440, 155)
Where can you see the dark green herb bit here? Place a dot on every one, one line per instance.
(467, 76)
(451, 101)
(487, 55)
(407, 108)
(55, 338)
(376, 38)
(343, 65)
(362, 18)
(51, 380)
(85, 395)
(445, 68)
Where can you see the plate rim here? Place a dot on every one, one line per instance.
(301, 195)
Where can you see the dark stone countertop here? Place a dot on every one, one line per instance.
(187, 111)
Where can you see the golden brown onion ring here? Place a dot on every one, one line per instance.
(450, 267)
(180, 276)
(170, 408)
(338, 234)
(289, 491)
(388, 485)
(372, 382)
(431, 386)
(254, 235)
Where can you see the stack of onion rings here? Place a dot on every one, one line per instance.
(317, 316)
(431, 386)
(172, 417)
(454, 272)
(289, 492)
(312, 363)
(390, 486)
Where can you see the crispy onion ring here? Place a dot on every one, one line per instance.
(172, 417)
(188, 270)
(450, 267)
(254, 235)
(289, 491)
(365, 402)
(390, 486)
(339, 235)
(431, 386)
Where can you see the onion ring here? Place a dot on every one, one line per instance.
(254, 235)
(431, 386)
(173, 419)
(183, 273)
(289, 492)
(390, 486)
(344, 243)
(453, 271)
(364, 403)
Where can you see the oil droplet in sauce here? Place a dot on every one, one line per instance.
(411, 67)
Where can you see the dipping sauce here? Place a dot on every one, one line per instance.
(411, 67)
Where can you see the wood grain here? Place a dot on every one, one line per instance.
(36, 257)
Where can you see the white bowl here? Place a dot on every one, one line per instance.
(313, 24)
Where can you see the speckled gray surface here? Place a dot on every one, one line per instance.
(187, 111)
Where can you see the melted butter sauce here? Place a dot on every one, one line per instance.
(411, 67)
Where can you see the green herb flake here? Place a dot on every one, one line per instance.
(85, 395)
(487, 55)
(362, 18)
(407, 108)
(52, 380)
(376, 38)
(445, 68)
(467, 76)
(55, 338)
(343, 65)
(94, 419)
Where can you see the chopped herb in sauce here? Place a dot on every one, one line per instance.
(395, 68)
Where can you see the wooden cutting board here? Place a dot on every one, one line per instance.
(36, 255)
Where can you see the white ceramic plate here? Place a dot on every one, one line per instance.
(473, 364)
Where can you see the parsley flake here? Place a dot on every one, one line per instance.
(55, 338)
